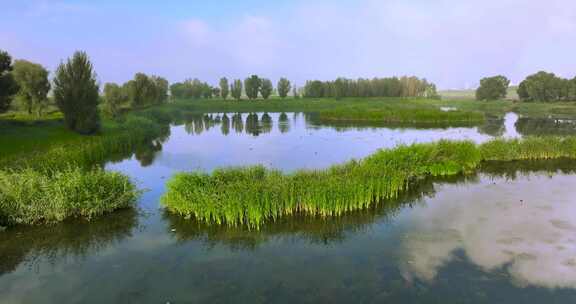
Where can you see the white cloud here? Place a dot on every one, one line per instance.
(533, 240)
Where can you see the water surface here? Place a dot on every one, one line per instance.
(505, 235)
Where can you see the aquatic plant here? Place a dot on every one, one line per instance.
(251, 196)
(33, 197)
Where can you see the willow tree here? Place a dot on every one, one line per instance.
(8, 86)
(283, 87)
(266, 88)
(224, 88)
(76, 94)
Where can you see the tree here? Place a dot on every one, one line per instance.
(266, 88)
(139, 90)
(314, 89)
(295, 93)
(283, 87)
(34, 85)
(159, 89)
(493, 88)
(541, 86)
(76, 94)
(146, 90)
(114, 97)
(224, 88)
(8, 86)
(252, 86)
(236, 89)
(340, 88)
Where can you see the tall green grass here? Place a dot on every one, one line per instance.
(251, 196)
(402, 115)
(33, 197)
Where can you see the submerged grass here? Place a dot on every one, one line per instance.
(251, 196)
(32, 197)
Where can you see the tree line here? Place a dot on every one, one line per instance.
(253, 87)
(376, 87)
(542, 86)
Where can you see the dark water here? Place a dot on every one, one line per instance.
(504, 235)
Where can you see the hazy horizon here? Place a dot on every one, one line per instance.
(451, 43)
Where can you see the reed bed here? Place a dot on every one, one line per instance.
(402, 115)
(250, 196)
(34, 197)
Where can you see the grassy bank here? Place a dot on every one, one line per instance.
(116, 141)
(253, 195)
(32, 197)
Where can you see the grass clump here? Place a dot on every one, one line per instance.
(251, 196)
(33, 197)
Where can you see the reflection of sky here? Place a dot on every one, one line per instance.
(527, 226)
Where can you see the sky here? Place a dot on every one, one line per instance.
(453, 43)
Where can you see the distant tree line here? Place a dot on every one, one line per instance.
(376, 87)
(542, 86)
(194, 88)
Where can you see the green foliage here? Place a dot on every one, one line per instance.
(146, 90)
(192, 88)
(236, 89)
(266, 88)
(114, 97)
(34, 197)
(34, 86)
(493, 88)
(8, 86)
(250, 196)
(252, 86)
(314, 89)
(284, 87)
(76, 94)
(377, 87)
(547, 87)
(224, 88)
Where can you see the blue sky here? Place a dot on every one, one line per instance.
(451, 42)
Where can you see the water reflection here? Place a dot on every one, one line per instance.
(525, 227)
(545, 126)
(72, 239)
(454, 240)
